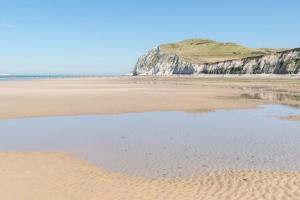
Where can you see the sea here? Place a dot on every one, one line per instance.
(8, 77)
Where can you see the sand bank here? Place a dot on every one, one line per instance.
(292, 117)
(135, 94)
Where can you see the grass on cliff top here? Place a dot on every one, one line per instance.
(206, 51)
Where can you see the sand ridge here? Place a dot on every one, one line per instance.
(57, 176)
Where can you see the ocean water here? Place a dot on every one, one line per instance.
(8, 77)
(166, 144)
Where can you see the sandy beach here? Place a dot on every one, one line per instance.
(149, 100)
(60, 177)
(57, 176)
(85, 96)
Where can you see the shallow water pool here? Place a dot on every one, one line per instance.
(166, 144)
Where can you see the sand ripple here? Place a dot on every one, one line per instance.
(56, 176)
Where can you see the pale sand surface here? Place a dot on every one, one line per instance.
(293, 117)
(138, 94)
(57, 176)
(54, 176)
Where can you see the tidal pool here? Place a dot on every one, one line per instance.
(166, 144)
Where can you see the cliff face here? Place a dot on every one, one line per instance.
(157, 62)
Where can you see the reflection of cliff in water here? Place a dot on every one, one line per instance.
(273, 96)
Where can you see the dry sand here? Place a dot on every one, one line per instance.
(137, 94)
(56, 176)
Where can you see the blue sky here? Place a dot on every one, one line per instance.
(106, 37)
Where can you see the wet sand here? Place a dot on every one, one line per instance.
(59, 176)
(139, 94)
(293, 117)
(116, 95)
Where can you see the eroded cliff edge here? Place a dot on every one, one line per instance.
(158, 62)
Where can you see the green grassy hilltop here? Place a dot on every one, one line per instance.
(206, 51)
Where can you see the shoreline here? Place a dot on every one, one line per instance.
(130, 75)
(246, 76)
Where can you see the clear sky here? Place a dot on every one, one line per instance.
(106, 37)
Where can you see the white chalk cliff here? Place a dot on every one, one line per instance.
(157, 62)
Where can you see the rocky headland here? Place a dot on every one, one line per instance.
(198, 56)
